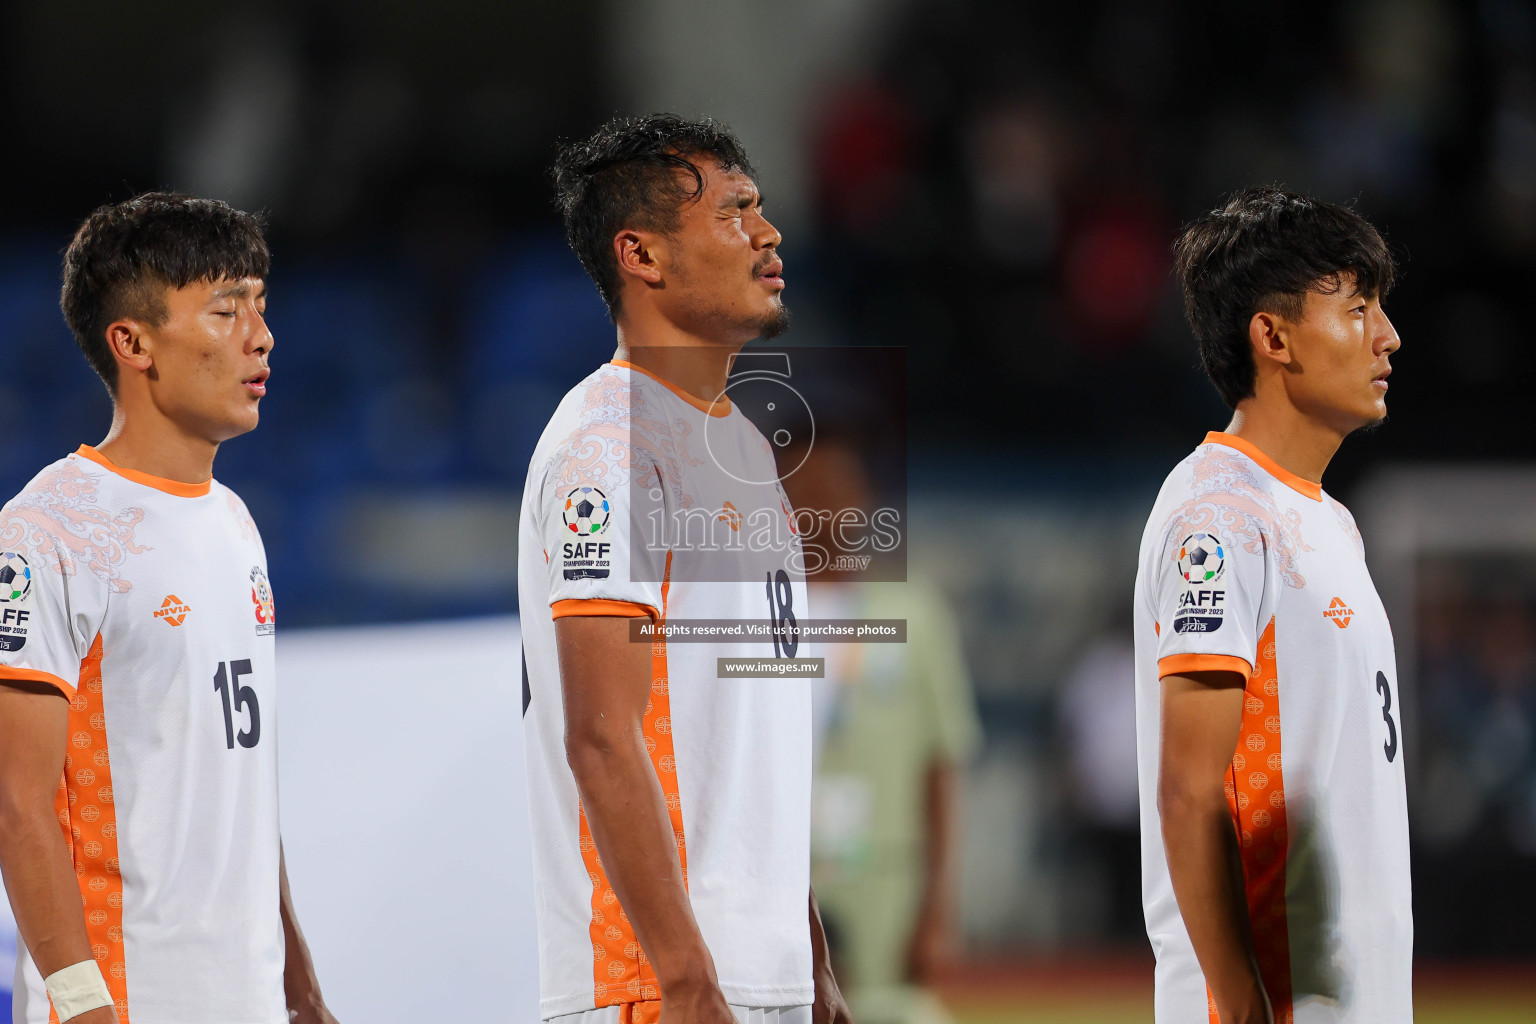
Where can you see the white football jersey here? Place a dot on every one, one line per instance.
(146, 602)
(625, 452)
(1247, 567)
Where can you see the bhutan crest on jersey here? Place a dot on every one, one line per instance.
(266, 607)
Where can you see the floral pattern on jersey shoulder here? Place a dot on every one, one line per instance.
(1230, 501)
(1347, 521)
(60, 517)
(621, 434)
(242, 515)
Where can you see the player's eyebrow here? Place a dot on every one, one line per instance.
(741, 199)
(239, 290)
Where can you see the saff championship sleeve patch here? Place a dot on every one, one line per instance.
(15, 591)
(586, 548)
(1200, 562)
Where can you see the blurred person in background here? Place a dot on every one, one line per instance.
(895, 723)
(137, 654)
(671, 808)
(1273, 796)
(1475, 810)
(1098, 714)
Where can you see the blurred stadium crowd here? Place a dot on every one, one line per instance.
(992, 185)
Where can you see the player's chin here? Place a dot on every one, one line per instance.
(776, 320)
(1374, 415)
(243, 420)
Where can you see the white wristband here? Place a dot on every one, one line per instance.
(77, 989)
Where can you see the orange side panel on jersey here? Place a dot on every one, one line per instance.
(89, 819)
(621, 973)
(1256, 797)
(648, 1012)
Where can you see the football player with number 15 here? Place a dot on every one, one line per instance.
(136, 654)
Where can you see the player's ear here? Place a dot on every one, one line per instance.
(637, 254)
(1267, 333)
(129, 344)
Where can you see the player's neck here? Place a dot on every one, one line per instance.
(155, 445)
(697, 365)
(1295, 441)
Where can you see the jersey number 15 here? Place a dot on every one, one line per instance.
(236, 699)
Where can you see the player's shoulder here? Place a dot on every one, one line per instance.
(1346, 520)
(236, 508)
(1218, 483)
(1222, 475)
(70, 518)
(59, 494)
(608, 417)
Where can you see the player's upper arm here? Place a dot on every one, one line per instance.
(1202, 713)
(34, 731)
(605, 680)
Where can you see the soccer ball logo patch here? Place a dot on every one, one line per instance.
(15, 577)
(1202, 558)
(586, 511)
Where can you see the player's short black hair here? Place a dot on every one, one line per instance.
(1264, 249)
(627, 175)
(126, 254)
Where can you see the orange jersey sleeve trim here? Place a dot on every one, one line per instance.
(600, 606)
(29, 675)
(1183, 664)
(719, 407)
(1273, 468)
(159, 483)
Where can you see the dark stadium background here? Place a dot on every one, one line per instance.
(992, 185)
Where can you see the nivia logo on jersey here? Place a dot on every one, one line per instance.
(586, 513)
(1201, 562)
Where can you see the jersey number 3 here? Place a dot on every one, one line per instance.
(1385, 689)
(227, 682)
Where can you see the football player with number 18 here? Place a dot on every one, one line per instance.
(1270, 743)
(671, 806)
(138, 705)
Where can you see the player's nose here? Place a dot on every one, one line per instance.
(767, 236)
(261, 340)
(1385, 341)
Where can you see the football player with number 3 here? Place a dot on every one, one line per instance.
(671, 807)
(138, 708)
(1273, 807)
